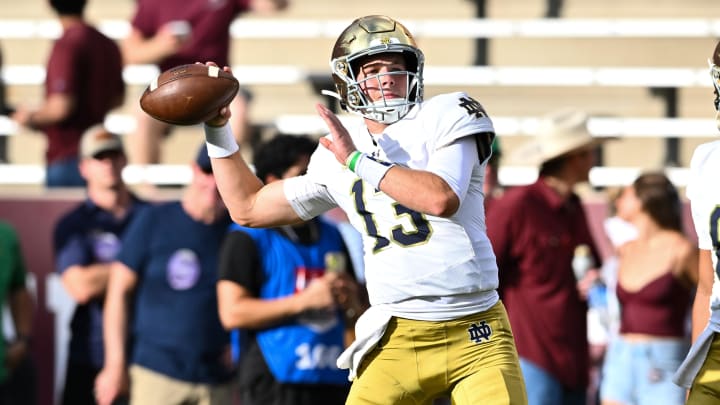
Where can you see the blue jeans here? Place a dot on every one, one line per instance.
(544, 389)
(641, 372)
(64, 173)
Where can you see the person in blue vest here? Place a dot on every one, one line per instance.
(292, 291)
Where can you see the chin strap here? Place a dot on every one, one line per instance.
(330, 94)
(334, 95)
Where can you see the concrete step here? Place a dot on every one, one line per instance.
(606, 8)
(641, 9)
(272, 101)
(601, 52)
(314, 53)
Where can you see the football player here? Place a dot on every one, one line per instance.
(410, 177)
(699, 371)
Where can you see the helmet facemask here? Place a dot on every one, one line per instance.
(714, 64)
(715, 75)
(368, 37)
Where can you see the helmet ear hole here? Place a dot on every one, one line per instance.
(411, 61)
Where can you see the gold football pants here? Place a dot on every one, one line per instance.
(472, 360)
(706, 387)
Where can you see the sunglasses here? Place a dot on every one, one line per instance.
(108, 154)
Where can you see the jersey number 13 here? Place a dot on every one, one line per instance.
(418, 234)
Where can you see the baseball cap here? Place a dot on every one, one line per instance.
(203, 160)
(97, 139)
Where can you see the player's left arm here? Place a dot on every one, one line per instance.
(437, 190)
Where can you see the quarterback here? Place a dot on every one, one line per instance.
(409, 177)
(699, 371)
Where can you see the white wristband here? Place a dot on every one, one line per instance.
(220, 141)
(372, 170)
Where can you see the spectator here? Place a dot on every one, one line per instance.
(656, 275)
(699, 370)
(166, 34)
(83, 83)
(86, 242)
(409, 177)
(276, 284)
(13, 290)
(619, 232)
(603, 317)
(535, 230)
(166, 271)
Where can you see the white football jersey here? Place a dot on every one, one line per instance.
(409, 254)
(704, 195)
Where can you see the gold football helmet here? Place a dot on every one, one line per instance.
(372, 35)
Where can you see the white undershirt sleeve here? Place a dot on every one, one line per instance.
(454, 163)
(308, 198)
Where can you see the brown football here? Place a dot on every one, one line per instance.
(189, 94)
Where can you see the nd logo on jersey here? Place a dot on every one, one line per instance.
(473, 107)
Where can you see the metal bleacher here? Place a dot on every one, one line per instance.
(637, 66)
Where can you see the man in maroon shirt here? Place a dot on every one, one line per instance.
(169, 33)
(535, 230)
(83, 83)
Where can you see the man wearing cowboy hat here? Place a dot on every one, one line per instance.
(535, 230)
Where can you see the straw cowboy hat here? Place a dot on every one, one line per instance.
(558, 133)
